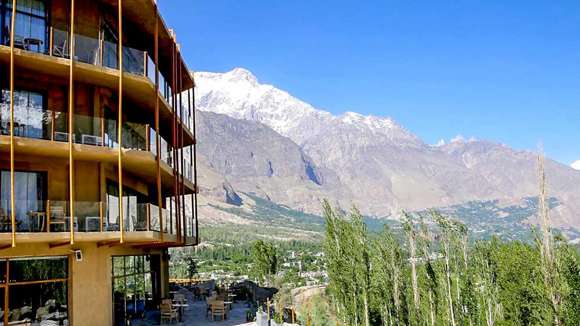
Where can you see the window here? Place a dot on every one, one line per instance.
(37, 290)
(30, 197)
(133, 294)
(31, 25)
(31, 120)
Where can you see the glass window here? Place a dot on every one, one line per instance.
(38, 269)
(30, 117)
(31, 30)
(37, 291)
(30, 191)
(38, 302)
(132, 288)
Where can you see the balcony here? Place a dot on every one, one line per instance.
(33, 122)
(53, 216)
(100, 53)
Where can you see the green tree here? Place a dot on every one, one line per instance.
(265, 261)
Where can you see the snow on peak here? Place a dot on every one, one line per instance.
(576, 165)
(370, 121)
(242, 74)
(459, 139)
(238, 93)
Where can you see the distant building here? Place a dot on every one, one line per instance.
(97, 168)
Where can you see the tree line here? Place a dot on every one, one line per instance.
(436, 276)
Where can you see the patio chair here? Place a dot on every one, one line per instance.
(57, 218)
(61, 49)
(218, 308)
(6, 221)
(168, 312)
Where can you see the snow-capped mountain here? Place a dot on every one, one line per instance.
(238, 94)
(368, 161)
(576, 165)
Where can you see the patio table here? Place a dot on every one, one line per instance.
(181, 307)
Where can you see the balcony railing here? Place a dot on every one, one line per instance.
(38, 216)
(103, 53)
(32, 122)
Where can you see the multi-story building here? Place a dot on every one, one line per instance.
(97, 160)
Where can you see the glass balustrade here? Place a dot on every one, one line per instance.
(41, 216)
(87, 130)
(96, 51)
(110, 55)
(88, 216)
(165, 149)
(30, 215)
(60, 43)
(58, 216)
(133, 61)
(150, 69)
(34, 123)
(87, 49)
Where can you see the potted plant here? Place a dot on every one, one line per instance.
(250, 315)
(278, 319)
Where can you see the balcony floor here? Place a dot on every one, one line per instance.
(140, 163)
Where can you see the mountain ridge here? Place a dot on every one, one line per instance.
(368, 161)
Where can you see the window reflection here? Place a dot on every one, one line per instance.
(31, 28)
(133, 296)
(37, 291)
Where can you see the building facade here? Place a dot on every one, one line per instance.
(97, 160)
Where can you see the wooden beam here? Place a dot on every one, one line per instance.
(71, 100)
(58, 244)
(12, 191)
(120, 122)
(5, 246)
(106, 243)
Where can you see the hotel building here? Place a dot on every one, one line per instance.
(97, 160)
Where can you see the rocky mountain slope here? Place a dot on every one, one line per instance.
(257, 139)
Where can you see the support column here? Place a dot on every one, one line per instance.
(120, 122)
(158, 135)
(71, 101)
(196, 187)
(12, 191)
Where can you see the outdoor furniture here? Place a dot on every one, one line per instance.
(57, 218)
(218, 308)
(29, 42)
(92, 220)
(168, 312)
(5, 221)
(180, 307)
(39, 218)
(60, 49)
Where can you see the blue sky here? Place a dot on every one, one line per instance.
(507, 71)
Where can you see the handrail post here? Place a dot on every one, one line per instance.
(101, 217)
(51, 41)
(145, 72)
(148, 221)
(48, 216)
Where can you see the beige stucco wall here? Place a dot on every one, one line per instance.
(91, 290)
